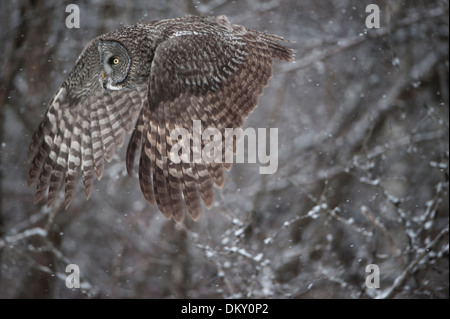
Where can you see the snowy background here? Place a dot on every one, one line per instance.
(363, 126)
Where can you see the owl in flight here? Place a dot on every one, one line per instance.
(150, 78)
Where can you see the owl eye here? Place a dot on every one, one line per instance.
(114, 60)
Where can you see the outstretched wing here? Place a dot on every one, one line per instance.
(81, 128)
(215, 77)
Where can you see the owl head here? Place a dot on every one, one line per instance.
(115, 65)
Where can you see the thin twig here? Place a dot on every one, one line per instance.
(398, 282)
(348, 43)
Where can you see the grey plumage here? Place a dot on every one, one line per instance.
(159, 75)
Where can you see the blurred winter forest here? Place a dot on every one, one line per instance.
(363, 169)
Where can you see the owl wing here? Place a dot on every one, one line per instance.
(81, 128)
(214, 78)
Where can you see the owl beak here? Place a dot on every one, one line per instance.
(103, 80)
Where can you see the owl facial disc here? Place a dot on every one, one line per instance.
(115, 65)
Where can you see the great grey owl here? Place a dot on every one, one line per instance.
(158, 76)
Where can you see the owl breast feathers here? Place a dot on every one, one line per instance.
(151, 78)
